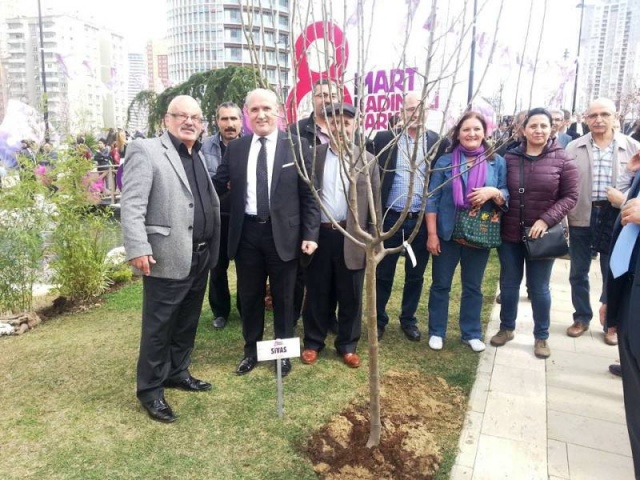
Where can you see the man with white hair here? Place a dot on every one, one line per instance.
(273, 218)
(602, 156)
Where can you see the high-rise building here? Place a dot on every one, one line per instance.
(610, 56)
(7, 10)
(158, 65)
(138, 81)
(84, 65)
(210, 34)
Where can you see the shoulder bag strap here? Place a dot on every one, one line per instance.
(521, 192)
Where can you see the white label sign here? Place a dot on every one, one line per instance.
(278, 348)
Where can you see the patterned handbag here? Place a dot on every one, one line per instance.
(478, 228)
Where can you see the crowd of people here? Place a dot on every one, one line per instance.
(189, 207)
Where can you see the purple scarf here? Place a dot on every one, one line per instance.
(477, 174)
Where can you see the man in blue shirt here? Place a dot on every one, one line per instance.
(404, 157)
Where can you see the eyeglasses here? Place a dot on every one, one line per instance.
(183, 117)
(326, 95)
(603, 115)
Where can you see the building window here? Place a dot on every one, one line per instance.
(283, 21)
(284, 3)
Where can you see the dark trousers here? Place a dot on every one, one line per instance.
(630, 363)
(219, 295)
(257, 259)
(170, 313)
(326, 276)
(413, 276)
(581, 253)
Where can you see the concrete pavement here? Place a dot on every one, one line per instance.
(560, 418)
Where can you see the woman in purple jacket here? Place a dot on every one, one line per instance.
(550, 191)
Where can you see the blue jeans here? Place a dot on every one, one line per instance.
(513, 258)
(413, 276)
(473, 262)
(581, 240)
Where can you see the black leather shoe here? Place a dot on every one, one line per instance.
(159, 410)
(412, 333)
(246, 365)
(190, 384)
(286, 366)
(219, 323)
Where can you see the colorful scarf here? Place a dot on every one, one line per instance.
(477, 174)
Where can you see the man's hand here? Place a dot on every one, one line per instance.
(143, 264)
(309, 247)
(630, 212)
(433, 244)
(615, 196)
(634, 162)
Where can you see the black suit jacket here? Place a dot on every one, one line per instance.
(571, 131)
(617, 288)
(295, 215)
(385, 146)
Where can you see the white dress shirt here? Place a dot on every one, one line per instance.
(334, 183)
(251, 205)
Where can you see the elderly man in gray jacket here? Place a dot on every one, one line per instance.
(171, 229)
(602, 156)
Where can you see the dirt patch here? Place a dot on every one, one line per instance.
(417, 410)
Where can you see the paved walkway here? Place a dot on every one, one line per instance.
(560, 418)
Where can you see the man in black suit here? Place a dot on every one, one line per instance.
(398, 153)
(578, 128)
(623, 303)
(273, 216)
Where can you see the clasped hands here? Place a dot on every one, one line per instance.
(479, 196)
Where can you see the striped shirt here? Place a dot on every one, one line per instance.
(401, 179)
(602, 170)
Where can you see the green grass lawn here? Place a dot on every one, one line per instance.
(68, 405)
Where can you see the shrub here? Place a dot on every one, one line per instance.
(78, 241)
(23, 219)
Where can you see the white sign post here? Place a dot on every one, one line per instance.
(277, 350)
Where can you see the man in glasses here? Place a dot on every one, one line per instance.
(602, 156)
(171, 229)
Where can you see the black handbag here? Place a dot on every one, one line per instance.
(551, 244)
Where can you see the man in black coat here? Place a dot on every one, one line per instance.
(623, 303)
(273, 217)
(397, 154)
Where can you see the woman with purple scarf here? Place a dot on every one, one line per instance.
(470, 176)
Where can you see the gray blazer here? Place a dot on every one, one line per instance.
(157, 208)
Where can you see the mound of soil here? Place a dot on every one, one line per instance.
(416, 411)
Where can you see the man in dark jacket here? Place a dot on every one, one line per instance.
(315, 130)
(410, 149)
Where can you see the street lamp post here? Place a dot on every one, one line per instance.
(575, 85)
(473, 53)
(43, 74)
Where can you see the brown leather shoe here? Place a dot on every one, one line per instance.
(577, 329)
(351, 360)
(611, 338)
(309, 356)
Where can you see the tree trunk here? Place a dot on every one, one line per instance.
(375, 425)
